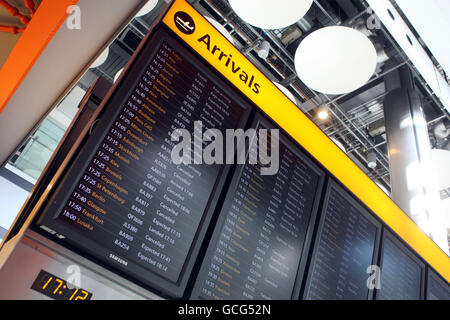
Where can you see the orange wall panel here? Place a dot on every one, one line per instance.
(45, 23)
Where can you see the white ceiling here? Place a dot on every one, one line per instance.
(402, 34)
(431, 20)
(441, 160)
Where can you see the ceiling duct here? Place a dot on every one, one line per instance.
(291, 34)
(382, 56)
(348, 7)
(377, 128)
(360, 25)
(304, 24)
(440, 131)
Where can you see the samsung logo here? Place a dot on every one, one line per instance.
(116, 258)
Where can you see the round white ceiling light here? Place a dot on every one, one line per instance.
(221, 29)
(335, 60)
(100, 59)
(271, 14)
(149, 6)
(286, 92)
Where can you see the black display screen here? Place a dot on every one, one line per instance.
(402, 273)
(124, 200)
(346, 245)
(437, 288)
(261, 236)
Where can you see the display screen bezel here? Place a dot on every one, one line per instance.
(404, 248)
(260, 118)
(332, 184)
(434, 276)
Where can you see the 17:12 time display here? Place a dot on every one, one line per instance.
(57, 288)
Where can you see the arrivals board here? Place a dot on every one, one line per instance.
(232, 64)
(437, 288)
(346, 245)
(260, 242)
(124, 201)
(402, 273)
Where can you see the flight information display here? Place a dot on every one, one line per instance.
(261, 237)
(401, 272)
(437, 288)
(130, 204)
(346, 245)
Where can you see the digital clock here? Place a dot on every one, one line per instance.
(57, 288)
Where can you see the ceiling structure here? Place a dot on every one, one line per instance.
(9, 40)
(356, 120)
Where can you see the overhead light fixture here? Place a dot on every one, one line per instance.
(263, 49)
(118, 74)
(322, 112)
(335, 60)
(100, 59)
(383, 188)
(271, 14)
(286, 92)
(339, 144)
(149, 6)
(221, 29)
(372, 160)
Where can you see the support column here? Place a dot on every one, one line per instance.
(413, 178)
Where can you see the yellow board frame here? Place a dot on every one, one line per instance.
(288, 116)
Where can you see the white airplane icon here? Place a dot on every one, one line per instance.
(184, 24)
